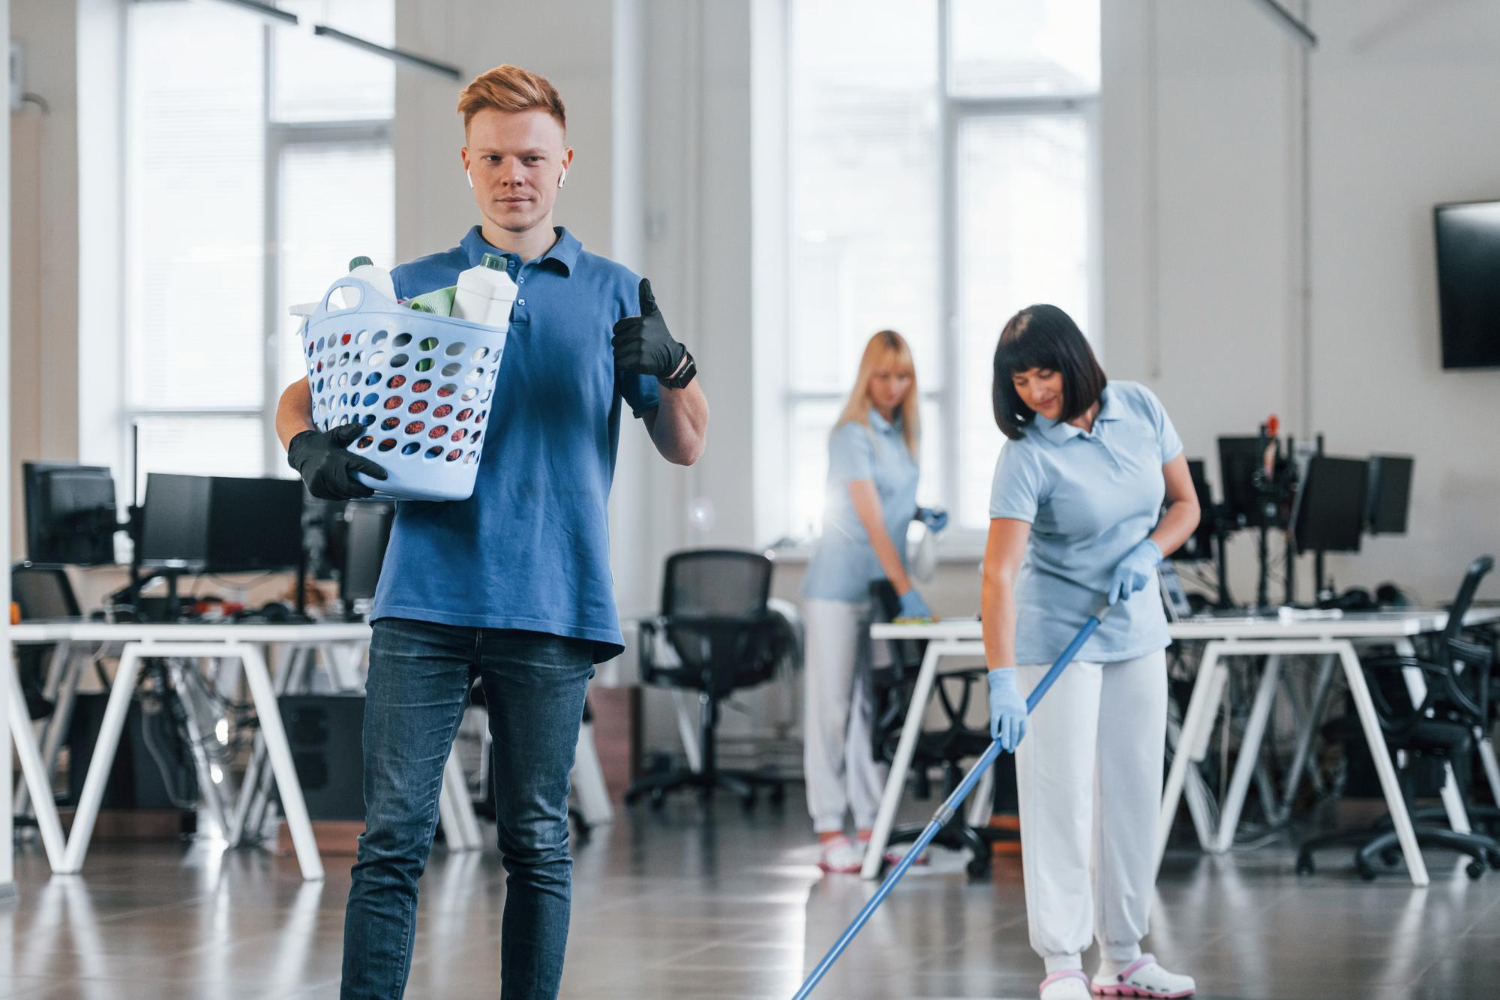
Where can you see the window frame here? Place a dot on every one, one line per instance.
(278, 138)
(957, 543)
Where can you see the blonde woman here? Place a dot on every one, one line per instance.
(872, 497)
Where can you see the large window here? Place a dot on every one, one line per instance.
(259, 162)
(941, 171)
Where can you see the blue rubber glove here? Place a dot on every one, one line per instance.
(1134, 571)
(935, 518)
(1007, 708)
(912, 605)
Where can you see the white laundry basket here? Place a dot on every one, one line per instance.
(422, 385)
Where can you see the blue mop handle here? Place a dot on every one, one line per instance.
(949, 808)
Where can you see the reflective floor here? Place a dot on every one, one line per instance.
(687, 903)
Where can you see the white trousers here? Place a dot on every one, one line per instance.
(1089, 774)
(837, 759)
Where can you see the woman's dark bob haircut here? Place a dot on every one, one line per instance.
(1045, 337)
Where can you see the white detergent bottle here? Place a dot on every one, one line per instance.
(485, 293)
(377, 278)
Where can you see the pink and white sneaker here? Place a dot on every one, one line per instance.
(893, 855)
(841, 857)
(1066, 984)
(1144, 978)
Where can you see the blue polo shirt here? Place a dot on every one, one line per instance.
(1090, 497)
(844, 563)
(530, 549)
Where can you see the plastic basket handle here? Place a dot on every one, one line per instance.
(366, 294)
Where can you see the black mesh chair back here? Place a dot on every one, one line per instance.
(1473, 576)
(714, 616)
(714, 605)
(719, 583)
(42, 592)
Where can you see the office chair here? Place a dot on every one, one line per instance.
(947, 747)
(1446, 726)
(714, 616)
(42, 593)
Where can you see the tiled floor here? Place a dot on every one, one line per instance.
(684, 903)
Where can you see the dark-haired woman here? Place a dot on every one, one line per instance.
(1076, 521)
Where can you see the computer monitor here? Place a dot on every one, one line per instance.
(221, 524)
(367, 531)
(1199, 545)
(70, 514)
(1239, 458)
(174, 522)
(1330, 514)
(1389, 494)
(1468, 255)
(254, 524)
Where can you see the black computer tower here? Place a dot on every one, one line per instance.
(325, 733)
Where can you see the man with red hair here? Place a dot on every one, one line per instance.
(511, 586)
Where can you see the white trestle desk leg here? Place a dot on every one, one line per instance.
(1203, 706)
(35, 775)
(687, 730)
(122, 690)
(1400, 819)
(1244, 767)
(1308, 732)
(895, 782)
(455, 811)
(248, 803)
(58, 665)
(1193, 788)
(210, 791)
(588, 780)
(982, 801)
(263, 694)
(1491, 768)
(1453, 800)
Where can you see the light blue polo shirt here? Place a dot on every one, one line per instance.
(1090, 498)
(530, 549)
(844, 563)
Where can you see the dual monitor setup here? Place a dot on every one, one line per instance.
(204, 524)
(1323, 503)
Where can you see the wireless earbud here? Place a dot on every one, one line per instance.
(561, 180)
(470, 178)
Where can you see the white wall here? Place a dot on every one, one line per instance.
(1402, 117)
(1202, 221)
(44, 245)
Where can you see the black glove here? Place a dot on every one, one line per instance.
(642, 343)
(327, 468)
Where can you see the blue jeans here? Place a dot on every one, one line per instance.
(534, 686)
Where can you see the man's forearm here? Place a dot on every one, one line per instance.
(681, 423)
(294, 412)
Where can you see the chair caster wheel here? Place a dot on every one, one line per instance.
(1366, 873)
(978, 869)
(658, 799)
(1390, 858)
(747, 803)
(1304, 865)
(1474, 869)
(778, 795)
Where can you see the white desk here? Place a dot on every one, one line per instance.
(242, 642)
(1225, 637)
(343, 645)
